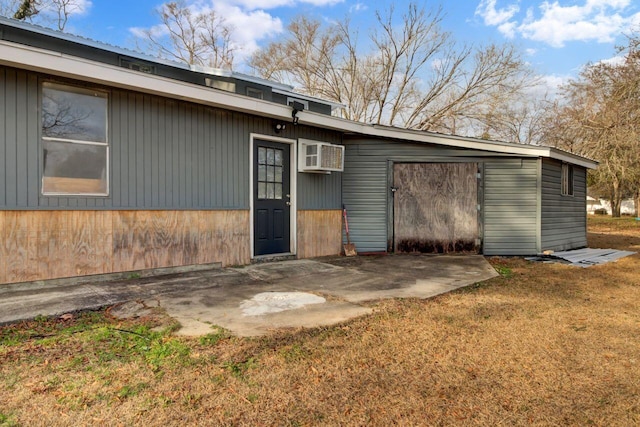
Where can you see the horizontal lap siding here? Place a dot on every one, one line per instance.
(164, 154)
(564, 222)
(510, 207)
(365, 187)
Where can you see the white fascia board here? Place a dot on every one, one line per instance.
(62, 65)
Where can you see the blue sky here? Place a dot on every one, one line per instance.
(556, 37)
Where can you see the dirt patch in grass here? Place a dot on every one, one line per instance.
(543, 344)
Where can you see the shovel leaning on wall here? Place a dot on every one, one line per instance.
(349, 248)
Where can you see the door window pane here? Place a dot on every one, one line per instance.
(270, 173)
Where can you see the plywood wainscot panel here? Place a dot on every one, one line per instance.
(319, 233)
(40, 245)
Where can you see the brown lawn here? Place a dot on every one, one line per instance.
(545, 344)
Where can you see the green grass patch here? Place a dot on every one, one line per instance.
(215, 337)
(7, 420)
(504, 271)
(239, 369)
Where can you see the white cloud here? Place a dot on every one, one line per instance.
(272, 4)
(358, 7)
(493, 16)
(554, 24)
(73, 8)
(531, 51)
(263, 4)
(615, 60)
(322, 2)
(548, 86)
(250, 27)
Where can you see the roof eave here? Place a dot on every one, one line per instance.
(58, 64)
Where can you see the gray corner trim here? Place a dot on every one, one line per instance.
(390, 207)
(481, 206)
(539, 207)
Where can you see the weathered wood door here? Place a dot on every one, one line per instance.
(435, 207)
(272, 198)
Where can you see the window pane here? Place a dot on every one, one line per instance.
(278, 191)
(74, 113)
(262, 155)
(270, 191)
(71, 168)
(278, 177)
(278, 157)
(262, 190)
(270, 156)
(270, 173)
(262, 173)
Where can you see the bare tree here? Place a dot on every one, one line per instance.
(600, 118)
(197, 38)
(413, 75)
(55, 13)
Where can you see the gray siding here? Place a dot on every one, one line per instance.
(564, 219)
(510, 208)
(366, 189)
(164, 154)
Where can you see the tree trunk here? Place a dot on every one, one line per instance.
(616, 200)
(636, 204)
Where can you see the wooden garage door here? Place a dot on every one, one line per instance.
(435, 207)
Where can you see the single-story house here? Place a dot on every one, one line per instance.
(114, 161)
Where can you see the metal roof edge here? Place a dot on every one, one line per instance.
(89, 42)
(139, 55)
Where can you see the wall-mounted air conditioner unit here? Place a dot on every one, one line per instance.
(320, 157)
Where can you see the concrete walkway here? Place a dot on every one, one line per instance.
(255, 299)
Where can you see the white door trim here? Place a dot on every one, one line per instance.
(293, 169)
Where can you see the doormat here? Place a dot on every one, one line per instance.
(583, 257)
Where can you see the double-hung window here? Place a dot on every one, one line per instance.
(74, 141)
(567, 180)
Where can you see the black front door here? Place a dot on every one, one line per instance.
(272, 198)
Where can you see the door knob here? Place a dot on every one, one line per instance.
(288, 203)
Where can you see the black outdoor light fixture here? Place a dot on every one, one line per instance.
(279, 127)
(297, 106)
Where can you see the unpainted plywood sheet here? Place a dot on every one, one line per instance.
(435, 207)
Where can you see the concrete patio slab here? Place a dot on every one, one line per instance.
(306, 293)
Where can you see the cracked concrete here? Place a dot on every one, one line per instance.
(298, 293)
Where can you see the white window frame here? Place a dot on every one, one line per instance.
(567, 184)
(62, 86)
